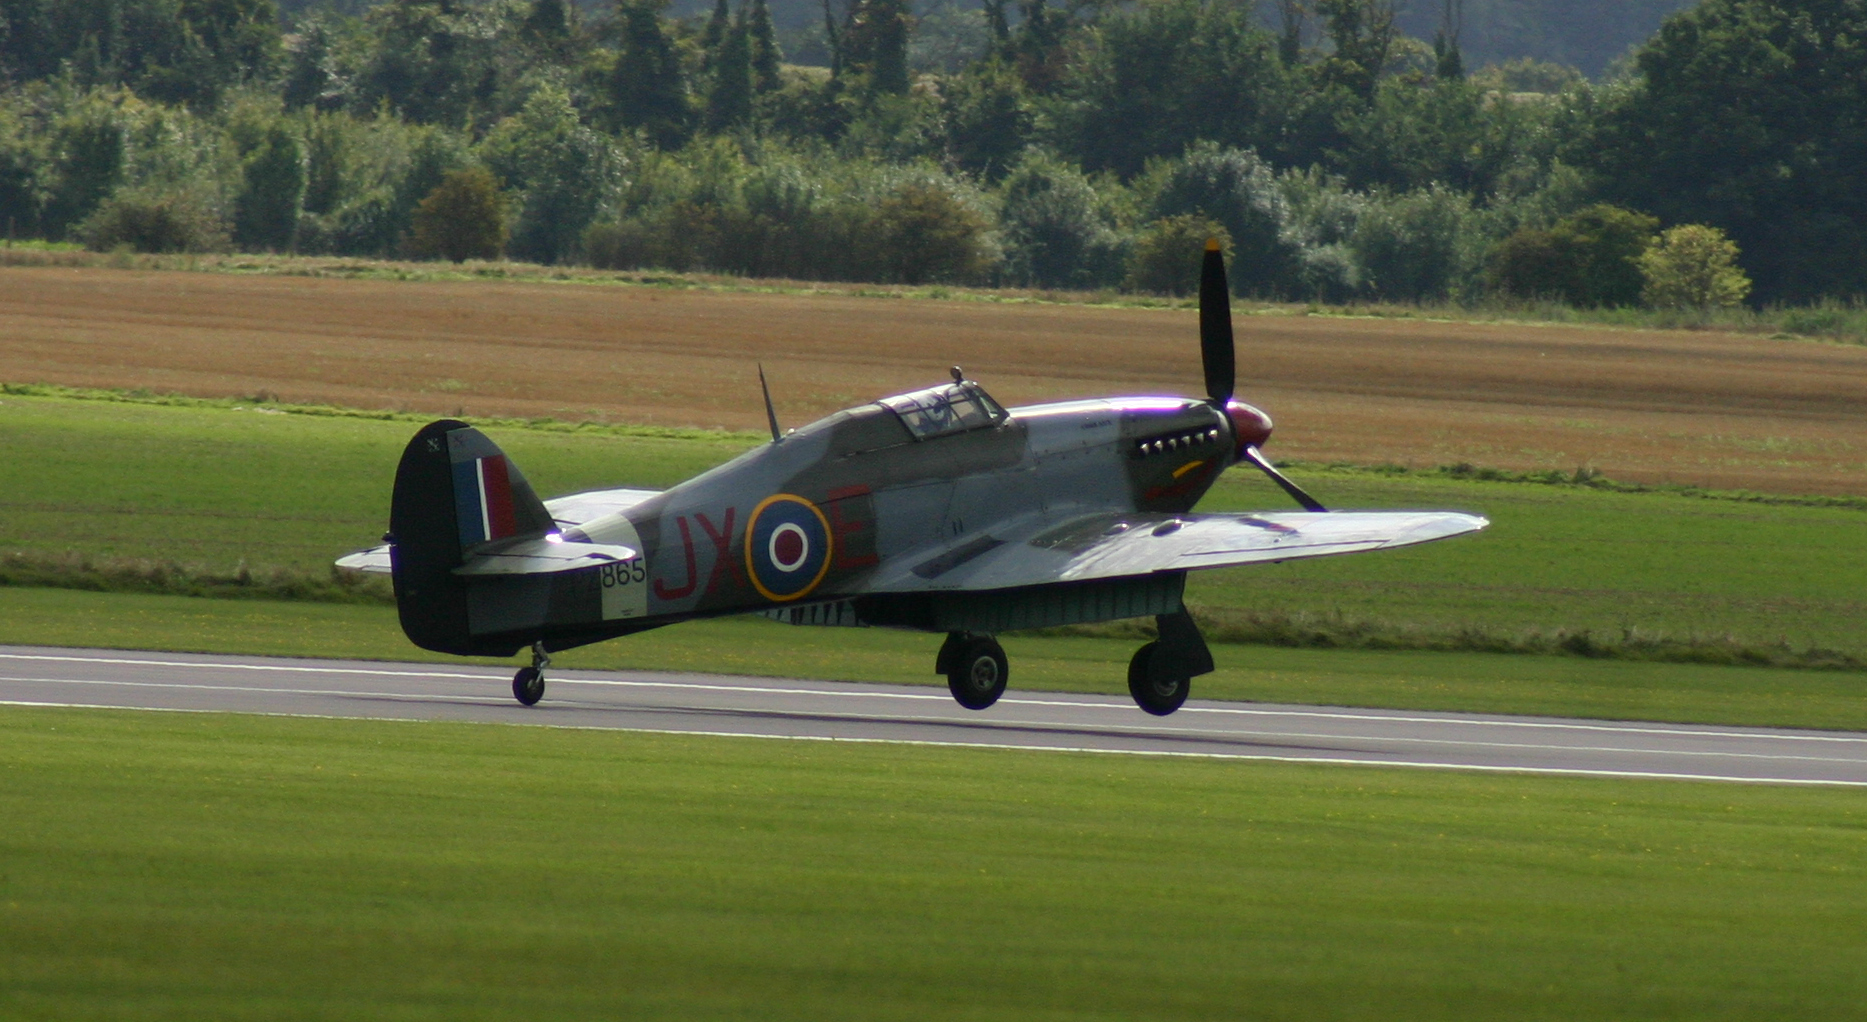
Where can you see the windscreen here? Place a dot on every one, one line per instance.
(953, 408)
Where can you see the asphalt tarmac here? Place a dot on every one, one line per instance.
(816, 710)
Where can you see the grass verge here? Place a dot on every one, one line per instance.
(221, 866)
(1475, 682)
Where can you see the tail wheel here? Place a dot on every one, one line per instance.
(978, 673)
(1158, 697)
(528, 686)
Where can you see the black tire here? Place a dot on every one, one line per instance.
(978, 674)
(528, 686)
(1156, 697)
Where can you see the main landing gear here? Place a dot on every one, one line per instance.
(1161, 674)
(975, 669)
(1155, 690)
(528, 686)
(1159, 677)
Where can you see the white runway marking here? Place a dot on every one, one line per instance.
(828, 711)
(1008, 700)
(1054, 725)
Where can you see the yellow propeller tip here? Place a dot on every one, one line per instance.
(1212, 244)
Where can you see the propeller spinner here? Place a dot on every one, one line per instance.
(1218, 352)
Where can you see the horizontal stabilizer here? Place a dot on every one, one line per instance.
(375, 560)
(542, 557)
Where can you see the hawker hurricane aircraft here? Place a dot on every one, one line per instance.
(937, 510)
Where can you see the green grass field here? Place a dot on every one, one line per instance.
(220, 866)
(218, 487)
(170, 866)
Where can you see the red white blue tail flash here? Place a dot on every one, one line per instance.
(483, 500)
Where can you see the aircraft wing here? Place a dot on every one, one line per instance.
(1115, 545)
(568, 510)
(578, 508)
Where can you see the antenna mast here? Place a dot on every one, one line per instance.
(770, 415)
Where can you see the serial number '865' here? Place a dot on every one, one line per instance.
(624, 573)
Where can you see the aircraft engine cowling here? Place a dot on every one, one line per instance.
(1250, 427)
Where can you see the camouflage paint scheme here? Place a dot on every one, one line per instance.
(883, 494)
(856, 519)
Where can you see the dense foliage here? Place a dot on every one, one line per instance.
(1048, 146)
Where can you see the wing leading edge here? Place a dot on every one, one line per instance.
(1116, 545)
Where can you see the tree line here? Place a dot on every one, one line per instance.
(1077, 145)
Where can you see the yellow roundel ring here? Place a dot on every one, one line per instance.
(788, 547)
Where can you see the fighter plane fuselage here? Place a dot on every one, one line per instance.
(812, 515)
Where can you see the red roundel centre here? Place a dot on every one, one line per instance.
(787, 548)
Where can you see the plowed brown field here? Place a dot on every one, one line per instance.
(1701, 408)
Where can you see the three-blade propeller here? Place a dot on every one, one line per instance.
(1218, 351)
(1215, 326)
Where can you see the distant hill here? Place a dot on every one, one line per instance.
(1586, 34)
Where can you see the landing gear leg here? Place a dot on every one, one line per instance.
(1161, 674)
(975, 669)
(528, 686)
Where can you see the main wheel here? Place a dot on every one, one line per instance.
(978, 673)
(528, 686)
(1156, 697)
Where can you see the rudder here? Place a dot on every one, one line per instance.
(455, 492)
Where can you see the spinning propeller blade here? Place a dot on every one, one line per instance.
(1215, 325)
(1256, 457)
(1217, 351)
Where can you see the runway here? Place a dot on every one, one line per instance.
(833, 711)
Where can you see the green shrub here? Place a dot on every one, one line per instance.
(1827, 318)
(1415, 246)
(463, 218)
(156, 220)
(623, 245)
(1167, 254)
(1532, 263)
(1323, 216)
(1057, 232)
(265, 214)
(1590, 259)
(1240, 191)
(1693, 267)
(927, 233)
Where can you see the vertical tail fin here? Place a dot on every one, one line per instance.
(455, 491)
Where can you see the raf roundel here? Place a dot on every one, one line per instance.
(787, 547)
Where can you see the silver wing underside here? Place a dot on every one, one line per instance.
(571, 509)
(1115, 545)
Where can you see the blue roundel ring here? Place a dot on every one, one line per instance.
(787, 547)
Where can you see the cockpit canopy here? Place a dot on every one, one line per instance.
(949, 408)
